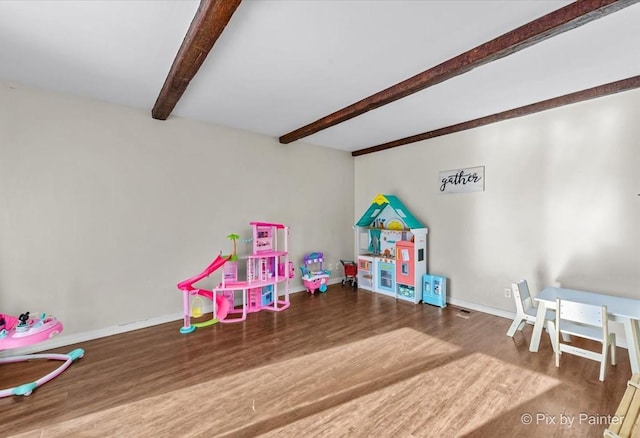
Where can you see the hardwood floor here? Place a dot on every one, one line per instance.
(142, 367)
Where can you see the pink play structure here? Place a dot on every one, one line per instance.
(268, 269)
(23, 331)
(187, 287)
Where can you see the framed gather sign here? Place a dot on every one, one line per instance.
(470, 179)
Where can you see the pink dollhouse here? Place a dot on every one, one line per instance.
(392, 250)
(267, 274)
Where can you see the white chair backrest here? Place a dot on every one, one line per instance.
(592, 323)
(521, 295)
(588, 314)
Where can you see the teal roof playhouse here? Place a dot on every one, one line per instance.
(392, 250)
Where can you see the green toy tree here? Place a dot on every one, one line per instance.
(233, 237)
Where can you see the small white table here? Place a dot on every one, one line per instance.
(624, 310)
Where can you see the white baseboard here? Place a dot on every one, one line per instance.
(64, 340)
(77, 338)
(620, 335)
(480, 308)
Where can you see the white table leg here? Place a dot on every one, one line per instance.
(631, 333)
(537, 327)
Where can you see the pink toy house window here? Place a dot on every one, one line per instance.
(264, 239)
(231, 271)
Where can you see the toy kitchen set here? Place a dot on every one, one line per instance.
(392, 250)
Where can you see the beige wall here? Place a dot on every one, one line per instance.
(103, 209)
(560, 203)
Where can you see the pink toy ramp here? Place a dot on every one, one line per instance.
(213, 266)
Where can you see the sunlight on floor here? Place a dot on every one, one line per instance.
(452, 400)
(400, 383)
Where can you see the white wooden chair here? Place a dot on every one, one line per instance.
(585, 321)
(526, 312)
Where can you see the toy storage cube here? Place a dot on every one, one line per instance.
(406, 292)
(434, 290)
(365, 272)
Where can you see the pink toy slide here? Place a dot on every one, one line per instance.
(186, 286)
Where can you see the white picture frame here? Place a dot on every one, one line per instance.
(468, 179)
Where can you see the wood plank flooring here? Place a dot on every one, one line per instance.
(397, 369)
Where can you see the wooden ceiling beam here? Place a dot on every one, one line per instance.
(569, 17)
(205, 29)
(579, 96)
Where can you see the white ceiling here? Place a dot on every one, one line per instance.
(280, 65)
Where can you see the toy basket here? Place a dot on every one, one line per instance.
(350, 273)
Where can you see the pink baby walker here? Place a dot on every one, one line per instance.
(24, 330)
(314, 276)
